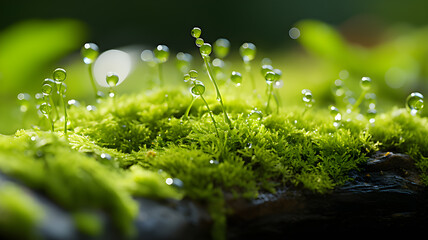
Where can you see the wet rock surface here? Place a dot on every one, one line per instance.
(156, 220)
(386, 197)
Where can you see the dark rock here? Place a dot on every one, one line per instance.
(385, 197)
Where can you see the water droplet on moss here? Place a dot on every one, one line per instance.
(90, 52)
(415, 103)
(105, 156)
(255, 114)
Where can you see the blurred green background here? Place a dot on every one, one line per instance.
(386, 40)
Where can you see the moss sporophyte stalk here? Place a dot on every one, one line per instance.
(192, 145)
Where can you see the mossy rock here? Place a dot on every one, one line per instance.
(140, 147)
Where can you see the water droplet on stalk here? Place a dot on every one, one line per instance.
(59, 75)
(196, 32)
(221, 47)
(366, 83)
(270, 77)
(90, 52)
(236, 78)
(199, 42)
(415, 103)
(265, 69)
(197, 89)
(46, 89)
(248, 51)
(193, 74)
(112, 79)
(45, 108)
(205, 49)
(161, 53)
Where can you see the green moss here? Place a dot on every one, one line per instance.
(148, 141)
(19, 213)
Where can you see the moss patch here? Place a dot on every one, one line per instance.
(131, 145)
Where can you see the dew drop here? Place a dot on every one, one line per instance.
(197, 89)
(46, 89)
(45, 108)
(196, 32)
(193, 74)
(90, 52)
(266, 68)
(247, 51)
(59, 75)
(366, 83)
(73, 102)
(186, 77)
(294, 33)
(270, 77)
(183, 61)
(91, 108)
(221, 47)
(112, 79)
(24, 101)
(105, 156)
(214, 162)
(236, 77)
(169, 181)
(205, 49)
(147, 56)
(255, 114)
(415, 103)
(161, 53)
(199, 42)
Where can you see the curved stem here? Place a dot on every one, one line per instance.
(186, 114)
(248, 70)
(160, 74)
(65, 117)
(269, 97)
(359, 100)
(91, 77)
(219, 98)
(211, 115)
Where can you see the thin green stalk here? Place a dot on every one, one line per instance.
(269, 97)
(359, 100)
(277, 100)
(65, 117)
(219, 98)
(211, 115)
(65, 111)
(91, 77)
(248, 70)
(186, 114)
(54, 107)
(161, 83)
